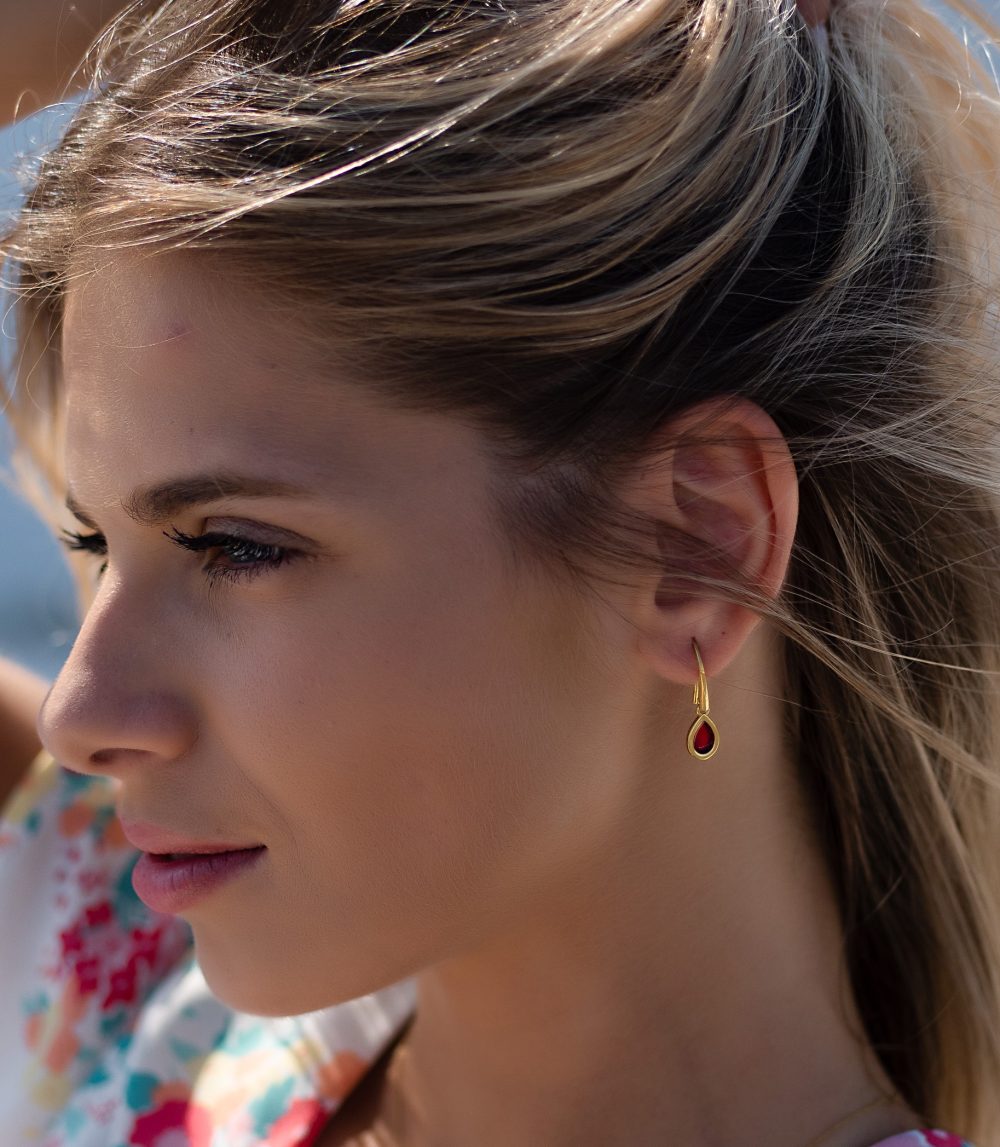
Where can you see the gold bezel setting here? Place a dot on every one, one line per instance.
(703, 719)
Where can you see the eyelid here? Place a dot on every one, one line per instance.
(208, 540)
(92, 543)
(276, 536)
(267, 555)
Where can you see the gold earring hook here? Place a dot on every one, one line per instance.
(703, 736)
(700, 697)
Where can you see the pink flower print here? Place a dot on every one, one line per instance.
(98, 913)
(122, 989)
(90, 879)
(175, 1123)
(86, 970)
(71, 940)
(299, 1126)
(145, 945)
(942, 1139)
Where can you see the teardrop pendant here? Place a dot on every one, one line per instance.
(703, 737)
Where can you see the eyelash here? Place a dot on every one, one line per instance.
(263, 555)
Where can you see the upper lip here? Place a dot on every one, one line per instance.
(149, 837)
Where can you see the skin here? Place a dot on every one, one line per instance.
(460, 772)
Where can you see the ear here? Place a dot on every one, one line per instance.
(730, 499)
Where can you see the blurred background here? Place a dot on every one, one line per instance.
(37, 609)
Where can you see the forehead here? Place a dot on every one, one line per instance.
(169, 355)
(141, 315)
(140, 298)
(172, 365)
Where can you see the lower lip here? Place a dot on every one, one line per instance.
(171, 886)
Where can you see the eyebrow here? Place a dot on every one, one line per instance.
(154, 505)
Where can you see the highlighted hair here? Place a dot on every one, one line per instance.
(567, 220)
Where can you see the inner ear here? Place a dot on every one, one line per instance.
(690, 560)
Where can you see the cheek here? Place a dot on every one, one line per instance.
(407, 747)
(415, 770)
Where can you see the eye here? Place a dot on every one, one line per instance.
(246, 557)
(89, 543)
(240, 558)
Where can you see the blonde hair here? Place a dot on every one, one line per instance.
(567, 220)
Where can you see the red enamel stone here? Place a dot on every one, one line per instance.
(704, 738)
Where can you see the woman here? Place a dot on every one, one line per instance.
(532, 471)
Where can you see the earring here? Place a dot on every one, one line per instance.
(703, 736)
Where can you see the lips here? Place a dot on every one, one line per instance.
(165, 843)
(168, 857)
(173, 886)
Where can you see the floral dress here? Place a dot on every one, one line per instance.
(109, 1035)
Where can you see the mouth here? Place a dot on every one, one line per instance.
(157, 840)
(200, 854)
(171, 882)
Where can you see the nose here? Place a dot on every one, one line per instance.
(117, 700)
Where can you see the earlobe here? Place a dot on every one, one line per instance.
(725, 497)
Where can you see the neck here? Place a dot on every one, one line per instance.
(700, 989)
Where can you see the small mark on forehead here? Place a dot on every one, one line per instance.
(176, 329)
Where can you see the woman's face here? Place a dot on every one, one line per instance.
(422, 743)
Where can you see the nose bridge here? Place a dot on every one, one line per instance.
(118, 697)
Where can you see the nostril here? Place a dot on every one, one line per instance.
(103, 722)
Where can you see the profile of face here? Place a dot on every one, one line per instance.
(426, 743)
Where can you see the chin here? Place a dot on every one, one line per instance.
(257, 988)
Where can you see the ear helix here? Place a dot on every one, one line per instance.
(703, 736)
